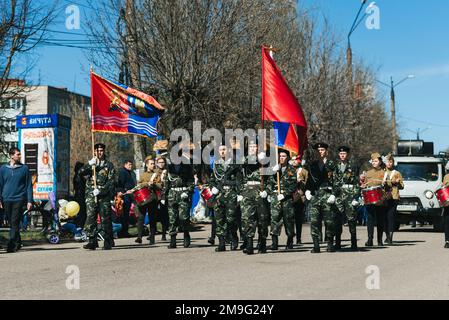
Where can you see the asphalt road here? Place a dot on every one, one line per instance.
(416, 267)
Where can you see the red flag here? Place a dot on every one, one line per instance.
(279, 105)
(120, 109)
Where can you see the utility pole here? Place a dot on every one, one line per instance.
(133, 64)
(394, 134)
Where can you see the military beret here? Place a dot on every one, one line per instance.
(99, 145)
(375, 156)
(148, 158)
(284, 151)
(320, 145)
(344, 149)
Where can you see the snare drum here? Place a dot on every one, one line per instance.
(208, 196)
(142, 196)
(443, 196)
(373, 195)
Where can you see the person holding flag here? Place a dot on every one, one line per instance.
(100, 191)
(281, 187)
(280, 106)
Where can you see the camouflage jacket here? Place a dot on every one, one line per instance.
(251, 170)
(346, 177)
(106, 179)
(226, 174)
(287, 180)
(321, 176)
(180, 176)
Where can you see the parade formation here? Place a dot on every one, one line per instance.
(242, 199)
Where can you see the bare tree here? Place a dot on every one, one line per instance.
(201, 59)
(23, 26)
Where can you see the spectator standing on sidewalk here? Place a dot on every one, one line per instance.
(15, 192)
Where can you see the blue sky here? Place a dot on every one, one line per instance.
(413, 39)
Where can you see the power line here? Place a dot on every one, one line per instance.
(426, 122)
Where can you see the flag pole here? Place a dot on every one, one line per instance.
(278, 175)
(92, 131)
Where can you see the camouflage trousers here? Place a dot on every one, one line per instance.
(346, 212)
(225, 210)
(321, 211)
(282, 212)
(103, 208)
(178, 211)
(254, 213)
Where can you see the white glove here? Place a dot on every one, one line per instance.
(331, 199)
(215, 190)
(96, 192)
(269, 199)
(239, 198)
(163, 202)
(261, 156)
(281, 197)
(184, 195)
(92, 161)
(276, 168)
(263, 194)
(309, 195)
(355, 203)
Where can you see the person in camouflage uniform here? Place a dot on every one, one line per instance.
(282, 210)
(99, 197)
(254, 204)
(321, 194)
(178, 191)
(346, 177)
(226, 182)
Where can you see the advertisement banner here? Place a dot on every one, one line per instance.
(38, 153)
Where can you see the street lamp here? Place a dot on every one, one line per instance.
(393, 107)
(354, 26)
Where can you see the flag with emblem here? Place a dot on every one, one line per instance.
(118, 108)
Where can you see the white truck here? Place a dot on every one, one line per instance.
(423, 174)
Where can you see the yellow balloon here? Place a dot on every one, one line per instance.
(72, 208)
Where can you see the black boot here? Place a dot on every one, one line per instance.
(446, 246)
(337, 242)
(262, 246)
(234, 241)
(330, 245)
(211, 240)
(298, 241)
(380, 242)
(274, 243)
(289, 245)
(389, 240)
(354, 242)
(152, 235)
(369, 243)
(244, 244)
(172, 244)
(91, 245)
(221, 244)
(249, 246)
(164, 237)
(107, 245)
(316, 246)
(186, 239)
